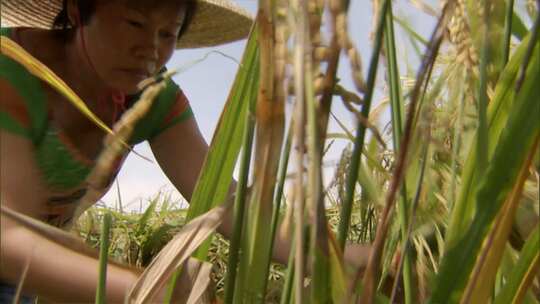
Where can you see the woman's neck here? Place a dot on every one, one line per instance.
(83, 77)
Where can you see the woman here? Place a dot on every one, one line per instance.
(102, 49)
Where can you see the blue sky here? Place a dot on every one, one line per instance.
(207, 85)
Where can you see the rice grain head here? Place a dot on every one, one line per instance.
(460, 36)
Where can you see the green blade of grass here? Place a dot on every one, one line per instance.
(482, 142)
(143, 220)
(407, 238)
(319, 251)
(500, 106)
(480, 283)
(286, 293)
(409, 29)
(239, 203)
(278, 196)
(530, 48)
(397, 130)
(523, 272)
(215, 178)
(174, 255)
(338, 285)
(490, 37)
(371, 275)
(519, 30)
(101, 291)
(352, 176)
(508, 158)
(457, 138)
(507, 31)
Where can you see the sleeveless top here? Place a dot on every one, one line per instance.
(63, 167)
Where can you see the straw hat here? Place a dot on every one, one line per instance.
(214, 22)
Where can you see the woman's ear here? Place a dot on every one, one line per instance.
(73, 13)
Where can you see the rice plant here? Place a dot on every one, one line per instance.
(447, 194)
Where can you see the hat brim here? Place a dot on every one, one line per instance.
(214, 22)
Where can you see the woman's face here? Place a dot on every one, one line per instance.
(128, 41)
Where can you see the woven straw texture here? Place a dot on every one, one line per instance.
(215, 21)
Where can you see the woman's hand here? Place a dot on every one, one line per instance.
(357, 255)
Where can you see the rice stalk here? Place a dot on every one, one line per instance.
(521, 126)
(485, 58)
(346, 43)
(407, 239)
(371, 273)
(397, 130)
(522, 275)
(532, 44)
(507, 31)
(501, 106)
(489, 258)
(278, 196)
(286, 295)
(299, 143)
(319, 251)
(240, 203)
(329, 86)
(361, 129)
(270, 126)
(281, 57)
(101, 291)
(102, 173)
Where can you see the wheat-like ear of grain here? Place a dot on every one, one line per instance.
(99, 177)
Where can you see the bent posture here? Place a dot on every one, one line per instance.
(102, 49)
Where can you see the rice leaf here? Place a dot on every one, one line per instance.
(500, 107)
(240, 202)
(269, 134)
(501, 175)
(481, 281)
(216, 175)
(522, 275)
(397, 110)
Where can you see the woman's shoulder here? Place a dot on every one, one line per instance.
(171, 106)
(23, 102)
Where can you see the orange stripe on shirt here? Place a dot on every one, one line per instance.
(12, 103)
(180, 105)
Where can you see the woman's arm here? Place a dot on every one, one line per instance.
(181, 150)
(54, 272)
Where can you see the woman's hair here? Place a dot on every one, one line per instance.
(87, 8)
